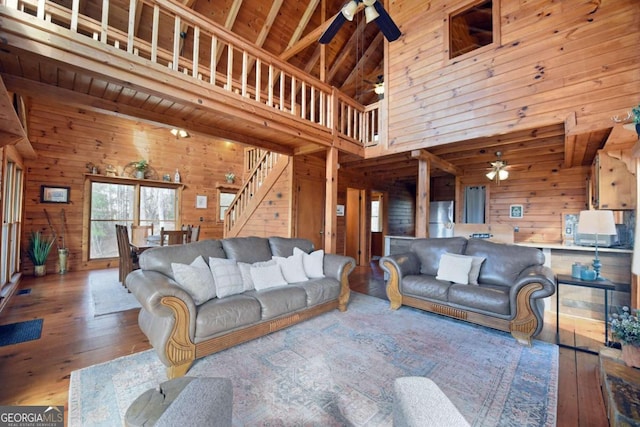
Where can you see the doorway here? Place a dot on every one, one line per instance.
(356, 236)
(310, 211)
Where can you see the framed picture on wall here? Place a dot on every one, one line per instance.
(569, 226)
(516, 211)
(51, 194)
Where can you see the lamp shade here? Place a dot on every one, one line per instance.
(597, 222)
(350, 9)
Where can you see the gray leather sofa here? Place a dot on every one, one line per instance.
(511, 283)
(181, 331)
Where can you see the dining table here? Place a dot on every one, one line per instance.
(141, 245)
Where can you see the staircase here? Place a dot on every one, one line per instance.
(265, 167)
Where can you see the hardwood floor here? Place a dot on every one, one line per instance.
(37, 372)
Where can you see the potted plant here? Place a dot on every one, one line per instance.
(230, 177)
(38, 251)
(141, 167)
(636, 118)
(625, 327)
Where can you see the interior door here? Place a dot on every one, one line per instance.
(310, 208)
(354, 239)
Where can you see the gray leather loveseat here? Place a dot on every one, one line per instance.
(493, 284)
(185, 315)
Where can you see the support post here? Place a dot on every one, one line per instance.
(331, 191)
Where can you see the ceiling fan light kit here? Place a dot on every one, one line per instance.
(498, 171)
(373, 11)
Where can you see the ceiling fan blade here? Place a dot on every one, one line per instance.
(386, 24)
(332, 29)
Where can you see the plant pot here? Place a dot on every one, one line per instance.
(139, 174)
(63, 254)
(631, 355)
(39, 270)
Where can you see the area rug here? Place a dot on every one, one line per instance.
(15, 333)
(108, 295)
(338, 370)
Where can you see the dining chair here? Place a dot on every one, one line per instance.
(140, 234)
(193, 232)
(173, 237)
(128, 259)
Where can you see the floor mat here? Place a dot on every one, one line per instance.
(15, 333)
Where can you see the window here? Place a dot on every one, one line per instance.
(471, 28)
(375, 216)
(225, 197)
(127, 203)
(11, 225)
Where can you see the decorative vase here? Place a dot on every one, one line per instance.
(62, 260)
(39, 270)
(631, 355)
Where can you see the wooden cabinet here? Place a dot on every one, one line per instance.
(613, 185)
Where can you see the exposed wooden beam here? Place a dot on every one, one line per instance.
(356, 72)
(436, 161)
(331, 201)
(11, 131)
(347, 51)
(569, 139)
(307, 40)
(302, 24)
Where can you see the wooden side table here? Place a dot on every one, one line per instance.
(620, 387)
(604, 284)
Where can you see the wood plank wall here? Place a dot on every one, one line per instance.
(273, 216)
(67, 138)
(544, 190)
(552, 59)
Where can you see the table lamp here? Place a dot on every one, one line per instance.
(597, 222)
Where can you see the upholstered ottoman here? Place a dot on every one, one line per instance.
(419, 402)
(185, 401)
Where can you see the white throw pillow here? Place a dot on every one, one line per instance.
(476, 263)
(226, 274)
(454, 269)
(313, 263)
(266, 277)
(195, 279)
(292, 268)
(245, 271)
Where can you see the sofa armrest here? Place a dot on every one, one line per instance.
(335, 265)
(151, 287)
(397, 266)
(339, 267)
(536, 274)
(532, 284)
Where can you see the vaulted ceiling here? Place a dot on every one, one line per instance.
(291, 29)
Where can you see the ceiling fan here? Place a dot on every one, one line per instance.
(376, 86)
(498, 170)
(373, 11)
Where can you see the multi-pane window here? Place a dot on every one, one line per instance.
(225, 198)
(126, 204)
(471, 28)
(375, 216)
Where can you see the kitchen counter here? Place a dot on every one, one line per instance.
(560, 246)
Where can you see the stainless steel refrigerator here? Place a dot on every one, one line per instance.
(441, 219)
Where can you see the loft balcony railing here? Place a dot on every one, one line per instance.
(189, 43)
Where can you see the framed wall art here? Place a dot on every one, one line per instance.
(54, 194)
(516, 211)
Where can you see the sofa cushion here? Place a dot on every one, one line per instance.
(313, 263)
(319, 290)
(489, 299)
(424, 286)
(454, 268)
(267, 276)
(474, 271)
(159, 259)
(281, 300)
(247, 249)
(503, 262)
(429, 251)
(195, 279)
(226, 275)
(283, 246)
(222, 315)
(292, 268)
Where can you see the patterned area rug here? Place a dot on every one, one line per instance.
(338, 370)
(108, 295)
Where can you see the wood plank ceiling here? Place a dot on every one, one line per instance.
(353, 61)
